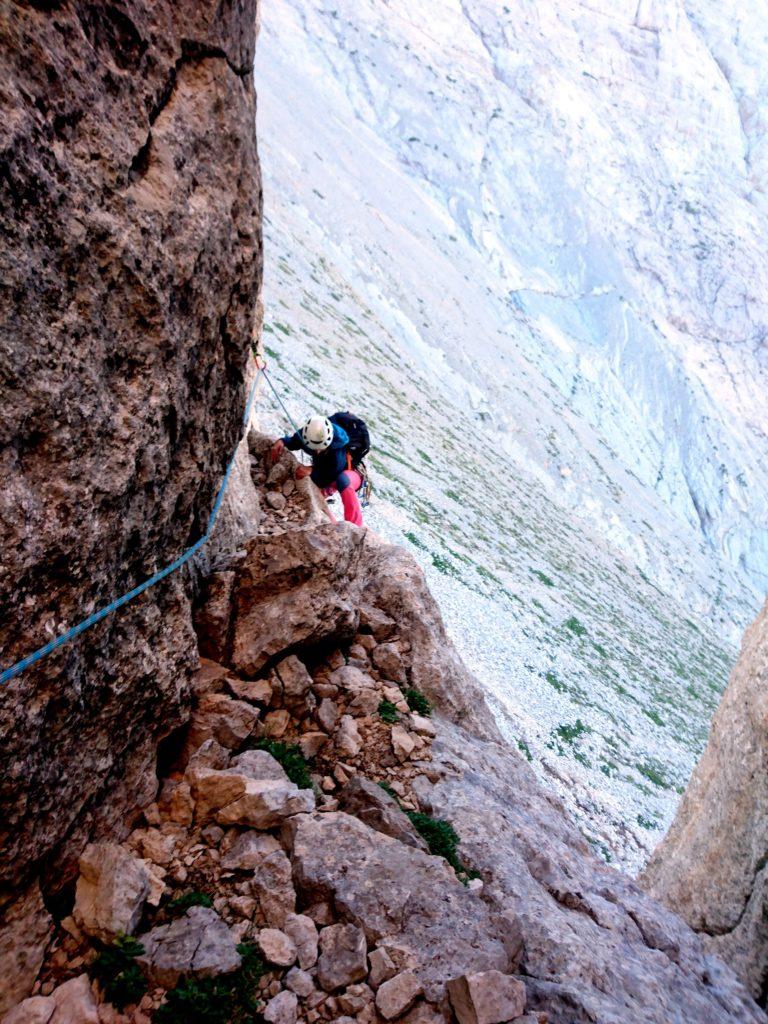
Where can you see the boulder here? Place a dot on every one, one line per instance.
(25, 931)
(272, 886)
(397, 893)
(389, 662)
(381, 967)
(397, 995)
(276, 947)
(72, 1002)
(254, 791)
(327, 714)
(403, 744)
(487, 997)
(295, 591)
(248, 851)
(343, 956)
(111, 891)
(711, 867)
(198, 944)
(347, 738)
(292, 685)
(373, 805)
(311, 743)
(282, 1008)
(300, 982)
(304, 934)
(218, 716)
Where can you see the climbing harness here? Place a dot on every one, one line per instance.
(102, 613)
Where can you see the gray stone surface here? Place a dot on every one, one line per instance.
(373, 805)
(596, 947)
(408, 900)
(111, 891)
(198, 944)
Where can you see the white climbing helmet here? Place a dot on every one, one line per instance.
(317, 433)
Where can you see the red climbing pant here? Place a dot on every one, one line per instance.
(348, 491)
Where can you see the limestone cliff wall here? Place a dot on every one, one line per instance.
(130, 209)
(711, 868)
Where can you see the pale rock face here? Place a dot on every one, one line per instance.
(711, 866)
(542, 268)
(199, 944)
(111, 891)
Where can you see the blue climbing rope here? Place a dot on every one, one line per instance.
(102, 613)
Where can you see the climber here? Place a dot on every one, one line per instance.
(335, 457)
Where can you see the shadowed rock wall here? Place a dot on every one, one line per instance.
(130, 209)
(711, 867)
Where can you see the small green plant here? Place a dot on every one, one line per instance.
(442, 840)
(181, 904)
(523, 747)
(387, 712)
(116, 970)
(543, 578)
(555, 682)
(290, 757)
(575, 626)
(228, 999)
(418, 702)
(569, 733)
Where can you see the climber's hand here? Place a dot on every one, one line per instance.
(276, 451)
(303, 471)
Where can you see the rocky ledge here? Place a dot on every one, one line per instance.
(340, 835)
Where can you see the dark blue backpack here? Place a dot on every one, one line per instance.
(357, 431)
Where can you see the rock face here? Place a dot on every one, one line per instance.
(593, 942)
(131, 266)
(711, 866)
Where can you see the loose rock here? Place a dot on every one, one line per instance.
(343, 956)
(277, 947)
(397, 995)
(488, 997)
(282, 1009)
(111, 891)
(197, 944)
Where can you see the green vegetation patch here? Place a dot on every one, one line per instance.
(418, 702)
(387, 712)
(442, 840)
(117, 972)
(182, 903)
(228, 999)
(576, 627)
(291, 759)
(654, 772)
(543, 578)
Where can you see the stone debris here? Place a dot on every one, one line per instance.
(303, 931)
(71, 1003)
(198, 944)
(487, 997)
(382, 967)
